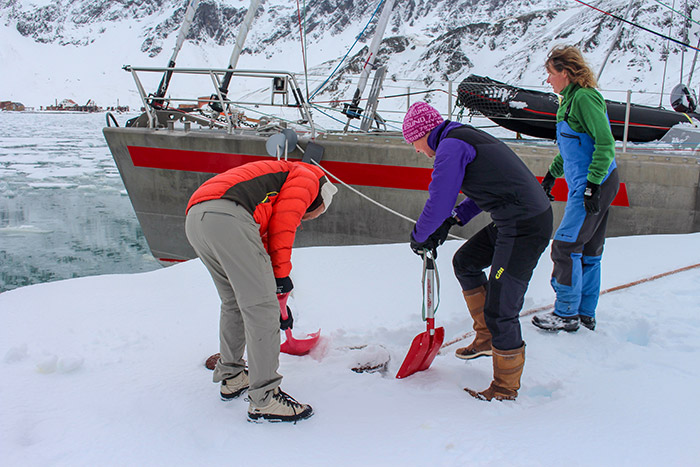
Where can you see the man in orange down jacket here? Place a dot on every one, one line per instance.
(242, 223)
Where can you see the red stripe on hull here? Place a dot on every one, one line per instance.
(561, 193)
(383, 176)
(353, 173)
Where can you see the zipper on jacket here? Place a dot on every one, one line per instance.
(567, 135)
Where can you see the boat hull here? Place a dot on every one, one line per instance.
(161, 169)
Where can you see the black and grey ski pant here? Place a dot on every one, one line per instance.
(512, 249)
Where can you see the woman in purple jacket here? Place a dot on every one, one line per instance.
(494, 180)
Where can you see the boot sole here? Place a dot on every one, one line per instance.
(477, 395)
(485, 353)
(262, 418)
(556, 329)
(233, 395)
(538, 325)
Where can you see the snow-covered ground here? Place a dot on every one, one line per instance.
(108, 370)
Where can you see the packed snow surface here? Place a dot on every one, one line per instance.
(108, 370)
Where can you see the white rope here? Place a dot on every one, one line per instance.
(354, 190)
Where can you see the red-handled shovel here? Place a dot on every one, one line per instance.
(425, 345)
(294, 346)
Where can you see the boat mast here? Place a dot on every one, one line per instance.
(614, 42)
(692, 67)
(157, 98)
(353, 110)
(665, 53)
(238, 47)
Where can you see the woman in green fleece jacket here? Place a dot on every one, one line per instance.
(586, 159)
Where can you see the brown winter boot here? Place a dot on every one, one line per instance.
(507, 369)
(476, 298)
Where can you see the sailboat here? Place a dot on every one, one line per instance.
(167, 152)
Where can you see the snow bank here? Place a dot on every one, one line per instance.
(109, 370)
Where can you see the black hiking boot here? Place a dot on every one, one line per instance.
(553, 322)
(587, 321)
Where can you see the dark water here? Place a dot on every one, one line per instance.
(64, 211)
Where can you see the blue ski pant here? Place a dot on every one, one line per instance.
(577, 250)
(512, 250)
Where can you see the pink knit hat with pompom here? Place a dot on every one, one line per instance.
(420, 119)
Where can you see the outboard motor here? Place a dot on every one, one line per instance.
(683, 99)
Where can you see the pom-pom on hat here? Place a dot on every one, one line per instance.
(420, 119)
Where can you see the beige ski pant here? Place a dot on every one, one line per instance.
(227, 240)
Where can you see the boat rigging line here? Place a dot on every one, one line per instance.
(664, 54)
(684, 44)
(613, 43)
(357, 39)
(390, 96)
(156, 100)
(362, 195)
(319, 108)
(235, 54)
(352, 110)
(302, 37)
(677, 12)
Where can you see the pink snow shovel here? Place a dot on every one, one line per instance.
(294, 346)
(425, 345)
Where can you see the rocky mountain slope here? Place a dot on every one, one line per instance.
(427, 40)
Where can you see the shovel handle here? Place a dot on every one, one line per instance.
(430, 290)
(431, 326)
(282, 298)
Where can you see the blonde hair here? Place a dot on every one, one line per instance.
(569, 59)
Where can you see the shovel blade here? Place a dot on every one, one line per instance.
(299, 347)
(420, 355)
(434, 348)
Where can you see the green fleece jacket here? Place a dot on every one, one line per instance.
(587, 115)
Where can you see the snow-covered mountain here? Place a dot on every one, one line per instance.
(74, 48)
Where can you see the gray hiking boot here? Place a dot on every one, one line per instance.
(282, 408)
(553, 322)
(587, 321)
(234, 387)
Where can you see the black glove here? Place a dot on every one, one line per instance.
(284, 284)
(440, 235)
(547, 184)
(591, 198)
(420, 248)
(287, 323)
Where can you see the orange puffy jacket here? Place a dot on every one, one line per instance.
(277, 193)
